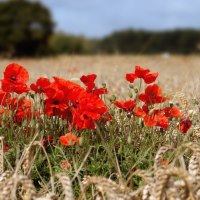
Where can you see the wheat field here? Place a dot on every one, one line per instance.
(176, 73)
(177, 178)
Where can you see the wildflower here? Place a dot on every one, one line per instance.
(90, 108)
(15, 79)
(41, 85)
(69, 139)
(184, 125)
(56, 104)
(143, 74)
(1, 111)
(21, 109)
(141, 112)
(4, 98)
(73, 92)
(85, 108)
(100, 91)
(6, 148)
(152, 95)
(4, 113)
(88, 81)
(125, 105)
(171, 112)
(156, 119)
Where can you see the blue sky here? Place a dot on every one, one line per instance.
(97, 18)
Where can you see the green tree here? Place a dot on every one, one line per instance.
(25, 28)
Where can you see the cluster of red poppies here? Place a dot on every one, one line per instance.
(82, 107)
(145, 104)
(62, 98)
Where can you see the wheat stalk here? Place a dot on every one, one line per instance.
(1, 155)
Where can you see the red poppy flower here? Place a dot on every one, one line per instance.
(131, 77)
(69, 139)
(141, 112)
(6, 112)
(89, 109)
(142, 73)
(88, 81)
(152, 95)
(171, 112)
(73, 92)
(100, 91)
(4, 98)
(150, 78)
(126, 105)
(1, 111)
(6, 148)
(22, 109)
(56, 104)
(106, 117)
(156, 119)
(15, 79)
(70, 100)
(184, 125)
(41, 85)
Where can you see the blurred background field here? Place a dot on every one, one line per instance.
(176, 73)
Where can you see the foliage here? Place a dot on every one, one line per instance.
(25, 28)
(61, 43)
(146, 42)
(130, 41)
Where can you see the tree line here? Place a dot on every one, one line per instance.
(27, 29)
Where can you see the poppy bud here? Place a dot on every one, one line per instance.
(7, 101)
(130, 94)
(171, 104)
(161, 130)
(129, 114)
(31, 95)
(195, 102)
(136, 90)
(141, 122)
(104, 85)
(113, 98)
(131, 86)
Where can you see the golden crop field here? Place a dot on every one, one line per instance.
(70, 143)
(176, 73)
